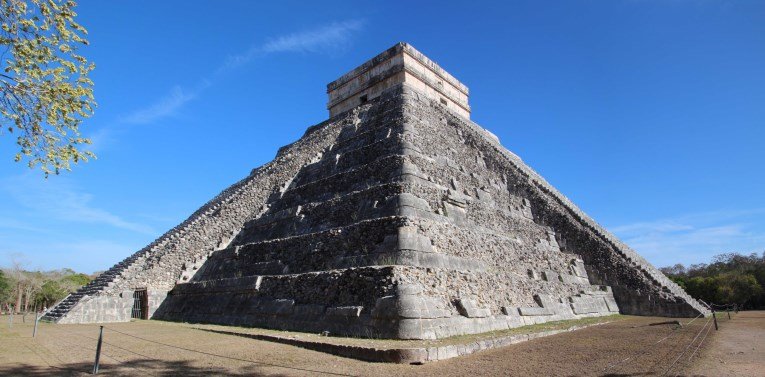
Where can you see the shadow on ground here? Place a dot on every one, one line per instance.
(139, 367)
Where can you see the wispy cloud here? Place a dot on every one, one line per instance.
(15, 224)
(654, 226)
(165, 106)
(694, 238)
(62, 200)
(328, 38)
(101, 139)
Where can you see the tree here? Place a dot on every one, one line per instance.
(32, 283)
(50, 293)
(72, 281)
(17, 273)
(730, 278)
(45, 89)
(5, 288)
(41, 288)
(739, 288)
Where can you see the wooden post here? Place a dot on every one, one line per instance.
(729, 312)
(715, 318)
(10, 320)
(98, 350)
(37, 319)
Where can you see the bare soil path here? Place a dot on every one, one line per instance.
(627, 347)
(738, 349)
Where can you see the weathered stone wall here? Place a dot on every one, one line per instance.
(323, 301)
(481, 166)
(102, 308)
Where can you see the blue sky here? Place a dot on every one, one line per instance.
(650, 115)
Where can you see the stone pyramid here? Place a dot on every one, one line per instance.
(396, 218)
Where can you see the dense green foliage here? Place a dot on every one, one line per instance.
(730, 279)
(45, 92)
(5, 287)
(25, 290)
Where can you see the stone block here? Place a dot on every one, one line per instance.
(468, 308)
(585, 304)
(546, 301)
(407, 306)
(455, 213)
(344, 311)
(409, 239)
(410, 200)
(611, 304)
(578, 269)
(416, 329)
(279, 307)
(408, 289)
(583, 307)
(550, 275)
(309, 311)
(573, 279)
(534, 311)
(484, 196)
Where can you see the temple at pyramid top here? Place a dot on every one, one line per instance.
(401, 63)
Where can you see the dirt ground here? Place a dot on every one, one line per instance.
(739, 350)
(626, 347)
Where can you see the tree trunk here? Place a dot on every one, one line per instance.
(18, 297)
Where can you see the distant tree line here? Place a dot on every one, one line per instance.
(731, 278)
(23, 291)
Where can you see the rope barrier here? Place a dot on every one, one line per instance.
(705, 329)
(43, 359)
(62, 362)
(699, 346)
(663, 356)
(708, 328)
(90, 350)
(695, 318)
(177, 347)
(686, 349)
(116, 346)
(645, 350)
(49, 351)
(228, 357)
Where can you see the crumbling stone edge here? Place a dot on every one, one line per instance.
(418, 355)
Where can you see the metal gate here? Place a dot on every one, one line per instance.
(140, 304)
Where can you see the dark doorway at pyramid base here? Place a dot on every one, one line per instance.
(140, 304)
